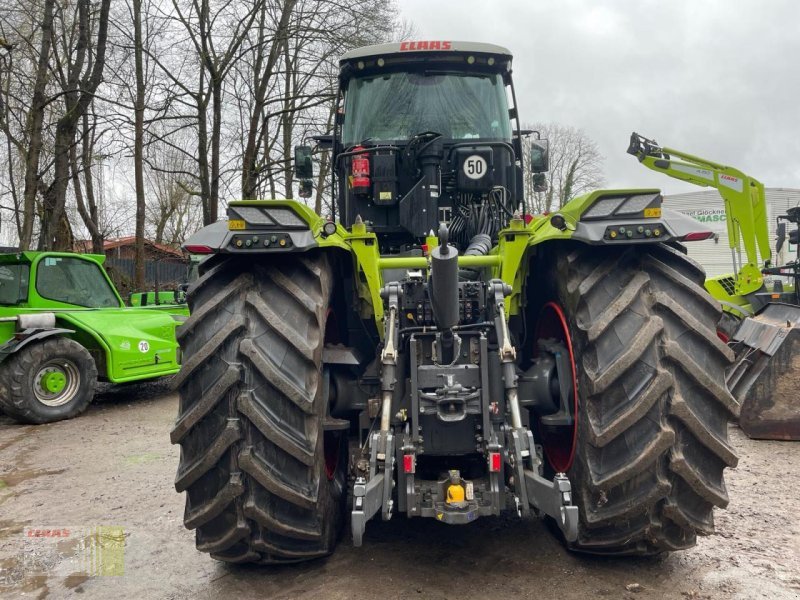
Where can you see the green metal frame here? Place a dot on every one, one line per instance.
(133, 343)
(505, 261)
(745, 212)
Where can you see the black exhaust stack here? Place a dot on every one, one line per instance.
(443, 291)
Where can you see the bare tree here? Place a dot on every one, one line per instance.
(576, 167)
(35, 124)
(172, 212)
(80, 77)
(138, 143)
(83, 180)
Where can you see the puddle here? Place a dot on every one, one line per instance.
(17, 438)
(9, 528)
(75, 579)
(17, 476)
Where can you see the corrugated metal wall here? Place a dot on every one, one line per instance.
(707, 207)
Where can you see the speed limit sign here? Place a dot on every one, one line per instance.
(475, 166)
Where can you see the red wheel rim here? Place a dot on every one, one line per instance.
(331, 441)
(558, 443)
(332, 445)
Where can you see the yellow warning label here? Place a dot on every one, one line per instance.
(235, 224)
(652, 213)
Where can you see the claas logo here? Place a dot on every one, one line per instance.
(435, 45)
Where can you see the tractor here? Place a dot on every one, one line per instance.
(431, 349)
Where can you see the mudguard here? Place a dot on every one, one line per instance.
(28, 336)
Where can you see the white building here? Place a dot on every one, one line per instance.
(707, 207)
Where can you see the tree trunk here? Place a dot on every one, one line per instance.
(138, 145)
(216, 132)
(91, 224)
(258, 123)
(79, 93)
(34, 125)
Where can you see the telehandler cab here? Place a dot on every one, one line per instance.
(63, 327)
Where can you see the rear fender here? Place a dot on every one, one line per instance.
(266, 227)
(618, 217)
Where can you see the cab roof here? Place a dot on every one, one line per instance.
(29, 256)
(422, 46)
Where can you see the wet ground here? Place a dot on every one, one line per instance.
(113, 468)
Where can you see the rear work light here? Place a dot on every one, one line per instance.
(359, 172)
(495, 462)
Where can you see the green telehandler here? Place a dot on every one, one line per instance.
(63, 328)
(762, 325)
(430, 348)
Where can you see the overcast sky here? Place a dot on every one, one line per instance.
(719, 79)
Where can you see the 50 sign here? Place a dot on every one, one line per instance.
(475, 167)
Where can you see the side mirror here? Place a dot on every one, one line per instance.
(303, 167)
(306, 186)
(324, 141)
(780, 237)
(540, 158)
(539, 182)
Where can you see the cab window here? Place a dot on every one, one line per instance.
(14, 284)
(74, 281)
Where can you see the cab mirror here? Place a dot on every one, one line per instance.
(303, 167)
(780, 237)
(539, 182)
(540, 159)
(306, 187)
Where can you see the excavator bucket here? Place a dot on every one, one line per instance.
(765, 378)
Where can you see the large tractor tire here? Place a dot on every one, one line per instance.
(50, 380)
(651, 439)
(264, 481)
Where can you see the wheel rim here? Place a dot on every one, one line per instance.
(57, 382)
(559, 443)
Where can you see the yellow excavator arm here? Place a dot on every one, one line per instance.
(745, 204)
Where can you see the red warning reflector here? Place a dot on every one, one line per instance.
(495, 462)
(409, 464)
(697, 236)
(192, 249)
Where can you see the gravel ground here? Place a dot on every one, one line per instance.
(114, 466)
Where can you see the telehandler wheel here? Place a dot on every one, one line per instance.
(264, 481)
(653, 409)
(47, 381)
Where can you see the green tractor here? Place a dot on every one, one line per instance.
(432, 349)
(63, 327)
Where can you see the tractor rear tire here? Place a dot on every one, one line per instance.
(264, 481)
(652, 438)
(24, 393)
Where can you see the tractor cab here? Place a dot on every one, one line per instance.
(427, 134)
